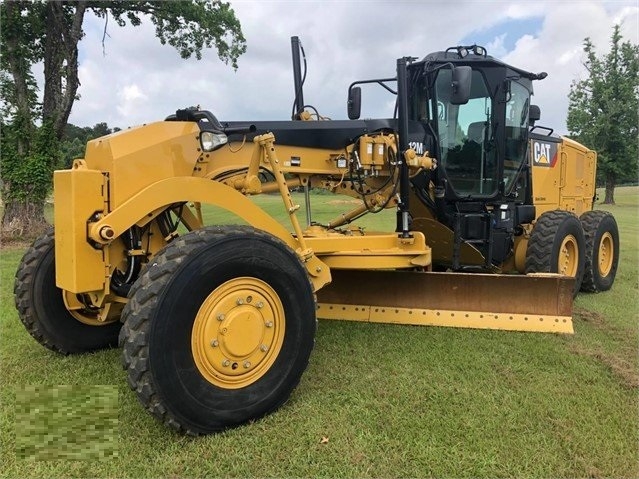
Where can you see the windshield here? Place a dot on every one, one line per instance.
(466, 140)
(516, 133)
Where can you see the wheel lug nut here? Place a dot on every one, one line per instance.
(263, 348)
(247, 364)
(226, 363)
(259, 305)
(214, 343)
(220, 317)
(269, 324)
(240, 301)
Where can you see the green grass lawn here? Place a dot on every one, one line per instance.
(376, 401)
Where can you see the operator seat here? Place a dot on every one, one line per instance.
(476, 131)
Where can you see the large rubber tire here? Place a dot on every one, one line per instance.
(556, 245)
(602, 250)
(42, 310)
(179, 310)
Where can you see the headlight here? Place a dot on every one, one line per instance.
(211, 140)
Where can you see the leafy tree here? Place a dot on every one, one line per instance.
(69, 151)
(49, 31)
(603, 110)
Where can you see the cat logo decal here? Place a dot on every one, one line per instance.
(544, 154)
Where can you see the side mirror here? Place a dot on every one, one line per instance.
(354, 105)
(462, 77)
(534, 114)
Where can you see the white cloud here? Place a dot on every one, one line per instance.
(568, 56)
(525, 10)
(131, 99)
(344, 41)
(496, 47)
(627, 15)
(558, 50)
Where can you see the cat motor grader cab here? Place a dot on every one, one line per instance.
(217, 322)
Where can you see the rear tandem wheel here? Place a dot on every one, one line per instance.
(602, 250)
(219, 329)
(556, 245)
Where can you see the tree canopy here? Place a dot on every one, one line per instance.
(604, 110)
(49, 32)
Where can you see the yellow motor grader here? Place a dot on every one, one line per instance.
(494, 229)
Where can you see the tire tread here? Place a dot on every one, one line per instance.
(23, 293)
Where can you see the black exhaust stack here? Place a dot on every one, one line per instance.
(403, 218)
(298, 105)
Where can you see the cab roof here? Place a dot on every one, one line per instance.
(452, 56)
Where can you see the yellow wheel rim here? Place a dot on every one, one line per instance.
(238, 333)
(568, 260)
(606, 254)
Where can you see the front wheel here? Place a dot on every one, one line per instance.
(219, 329)
(556, 245)
(56, 318)
(602, 250)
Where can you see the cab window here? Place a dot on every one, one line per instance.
(465, 134)
(516, 133)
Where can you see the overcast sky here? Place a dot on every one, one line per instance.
(137, 80)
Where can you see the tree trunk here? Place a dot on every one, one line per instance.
(61, 63)
(23, 219)
(27, 170)
(610, 189)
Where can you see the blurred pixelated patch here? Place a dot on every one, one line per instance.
(66, 422)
